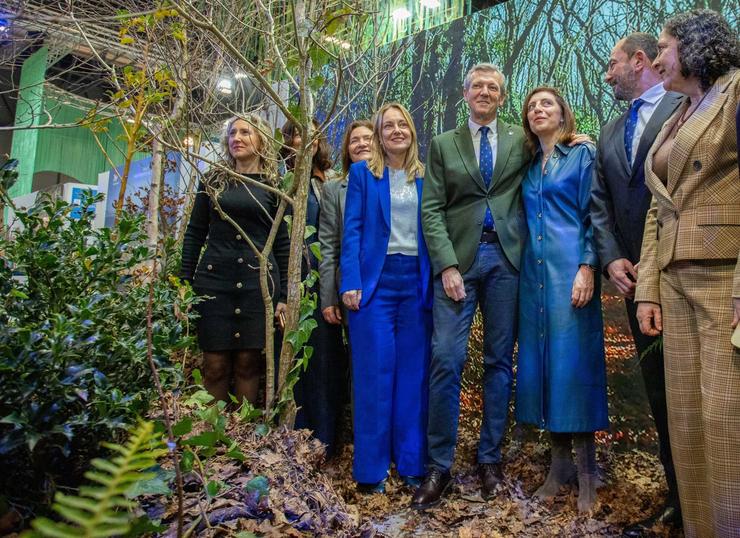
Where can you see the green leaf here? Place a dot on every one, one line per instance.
(319, 57)
(154, 486)
(236, 454)
(205, 439)
(184, 427)
(197, 377)
(213, 487)
(316, 83)
(186, 461)
(18, 294)
(104, 511)
(200, 398)
(308, 231)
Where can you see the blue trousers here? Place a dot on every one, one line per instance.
(391, 341)
(493, 283)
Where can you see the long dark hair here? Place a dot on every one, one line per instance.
(321, 159)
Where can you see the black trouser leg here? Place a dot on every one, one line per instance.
(653, 376)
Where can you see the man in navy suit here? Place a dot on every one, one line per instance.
(619, 203)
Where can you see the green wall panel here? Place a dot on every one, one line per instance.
(28, 113)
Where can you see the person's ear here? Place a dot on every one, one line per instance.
(640, 60)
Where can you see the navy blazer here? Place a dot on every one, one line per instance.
(619, 197)
(367, 231)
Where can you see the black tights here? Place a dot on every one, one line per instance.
(221, 368)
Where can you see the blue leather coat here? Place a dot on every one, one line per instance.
(561, 375)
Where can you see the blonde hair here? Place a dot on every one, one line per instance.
(411, 163)
(267, 149)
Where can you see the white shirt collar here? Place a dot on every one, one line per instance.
(475, 127)
(652, 95)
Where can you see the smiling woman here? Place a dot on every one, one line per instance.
(231, 328)
(561, 374)
(688, 286)
(385, 284)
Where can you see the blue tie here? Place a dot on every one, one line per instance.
(629, 127)
(486, 170)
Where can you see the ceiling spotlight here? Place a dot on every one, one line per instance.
(400, 14)
(430, 4)
(224, 86)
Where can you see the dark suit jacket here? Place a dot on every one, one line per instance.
(619, 198)
(455, 197)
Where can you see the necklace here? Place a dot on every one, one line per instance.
(546, 157)
(685, 117)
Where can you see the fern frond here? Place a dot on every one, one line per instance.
(103, 510)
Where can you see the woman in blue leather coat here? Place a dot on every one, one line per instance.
(561, 375)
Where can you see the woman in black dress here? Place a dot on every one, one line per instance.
(322, 389)
(231, 328)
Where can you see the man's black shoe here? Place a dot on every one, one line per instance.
(435, 484)
(491, 475)
(669, 516)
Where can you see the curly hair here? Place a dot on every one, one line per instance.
(707, 45)
(267, 149)
(321, 159)
(567, 125)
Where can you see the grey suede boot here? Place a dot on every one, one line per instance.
(588, 480)
(562, 469)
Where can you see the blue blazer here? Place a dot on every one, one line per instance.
(367, 229)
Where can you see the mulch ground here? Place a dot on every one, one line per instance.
(285, 488)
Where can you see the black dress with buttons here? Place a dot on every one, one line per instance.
(227, 272)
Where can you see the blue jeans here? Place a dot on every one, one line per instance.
(391, 340)
(493, 283)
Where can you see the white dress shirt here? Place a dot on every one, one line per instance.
(492, 138)
(652, 98)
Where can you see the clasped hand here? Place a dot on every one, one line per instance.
(352, 298)
(624, 276)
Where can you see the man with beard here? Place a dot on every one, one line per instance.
(619, 203)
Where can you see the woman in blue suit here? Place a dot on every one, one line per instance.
(386, 285)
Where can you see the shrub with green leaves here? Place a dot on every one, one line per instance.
(106, 509)
(73, 341)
